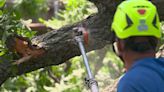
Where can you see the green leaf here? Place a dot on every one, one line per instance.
(2, 2)
(1, 13)
(2, 53)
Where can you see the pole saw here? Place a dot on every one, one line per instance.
(82, 37)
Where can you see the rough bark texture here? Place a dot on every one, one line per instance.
(60, 44)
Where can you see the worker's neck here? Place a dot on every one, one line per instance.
(131, 57)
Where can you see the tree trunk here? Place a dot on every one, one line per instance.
(59, 45)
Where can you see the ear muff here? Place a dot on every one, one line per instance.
(115, 50)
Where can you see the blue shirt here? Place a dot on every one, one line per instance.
(146, 75)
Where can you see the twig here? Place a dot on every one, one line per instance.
(52, 76)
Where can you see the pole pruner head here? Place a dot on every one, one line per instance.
(83, 34)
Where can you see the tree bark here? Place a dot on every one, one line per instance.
(59, 45)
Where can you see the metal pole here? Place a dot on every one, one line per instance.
(92, 83)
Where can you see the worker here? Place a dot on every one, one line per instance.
(136, 29)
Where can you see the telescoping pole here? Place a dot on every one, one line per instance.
(91, 82)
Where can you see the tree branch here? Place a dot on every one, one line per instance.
(60, 45)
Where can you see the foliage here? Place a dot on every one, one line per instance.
(71, 80)
(74, 11)
(27, 9)
(2, 2)
(10, 25)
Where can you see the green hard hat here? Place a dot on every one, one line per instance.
(136, 18)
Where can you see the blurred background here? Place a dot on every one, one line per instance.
(41, 16)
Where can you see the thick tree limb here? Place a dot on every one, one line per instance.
(60, 45)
